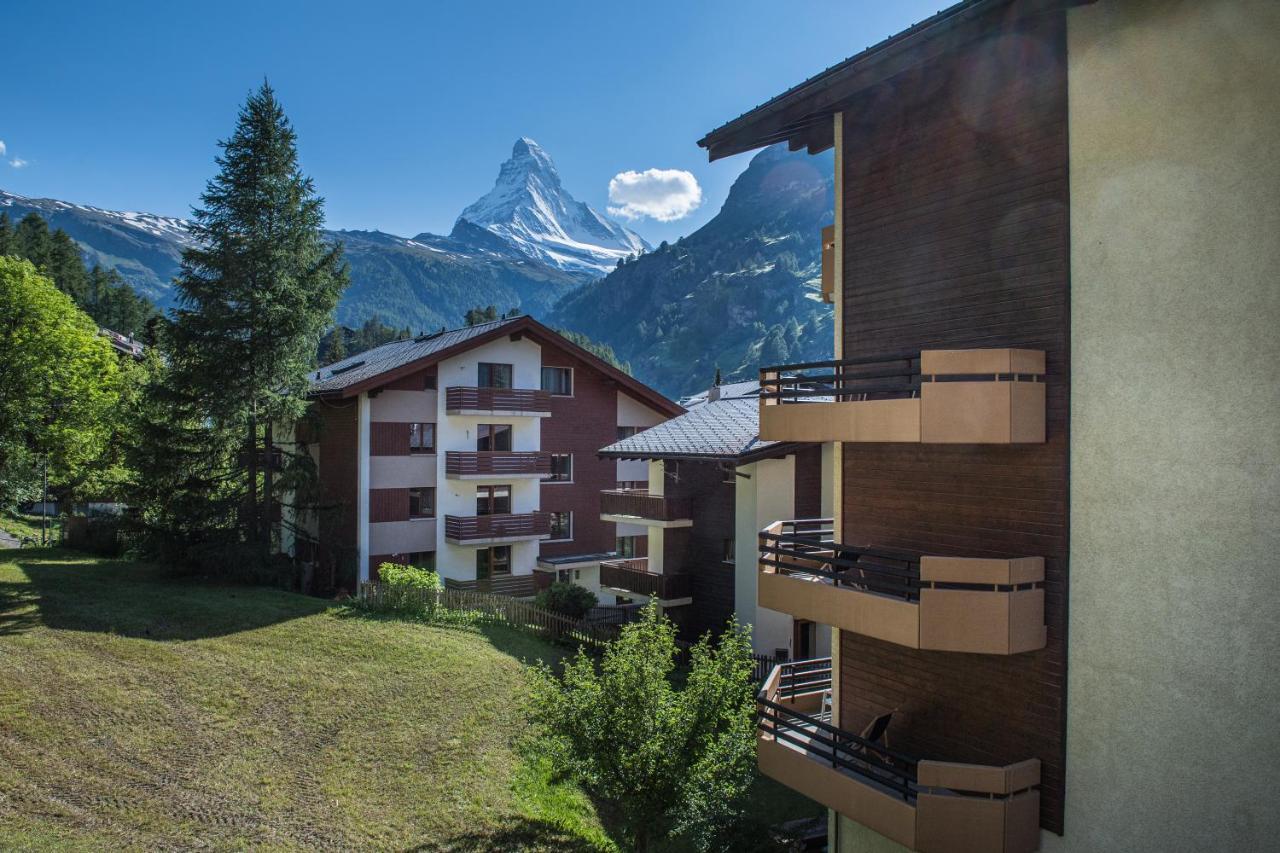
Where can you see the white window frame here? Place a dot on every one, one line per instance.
(569, 482)
(569, 513)
(573, 380)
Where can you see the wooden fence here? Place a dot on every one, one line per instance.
(490, 609)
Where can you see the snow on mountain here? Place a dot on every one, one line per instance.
(532, 212)
(166, 227)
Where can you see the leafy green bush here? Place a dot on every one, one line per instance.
(567, 599)
(409, 589)
(666, 760)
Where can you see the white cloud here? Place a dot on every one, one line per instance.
(662, 194)
(2, 148)
(17, 162)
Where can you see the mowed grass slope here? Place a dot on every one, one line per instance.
(143, 712)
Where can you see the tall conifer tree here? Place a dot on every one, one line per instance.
(254, 296)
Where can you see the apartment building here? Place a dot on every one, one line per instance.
(472, 452)
(1056, 466)
(711, 484)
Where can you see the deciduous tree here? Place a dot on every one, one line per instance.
(662, 760)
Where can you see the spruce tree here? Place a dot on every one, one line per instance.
(7, 244)
(254, 295)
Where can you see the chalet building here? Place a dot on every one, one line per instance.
(473, 452)
(712, 483)
(1056, 465)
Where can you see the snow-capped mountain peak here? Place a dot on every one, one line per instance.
(531, 211)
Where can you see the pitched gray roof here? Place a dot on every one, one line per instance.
(727, 429)
(356, 368)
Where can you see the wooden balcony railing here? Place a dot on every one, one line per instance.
(957, 604)
(475, 464)
(640, 504)
(461, 400)
(921, 804)
(497, 528)
(634, 576)
(979, 396)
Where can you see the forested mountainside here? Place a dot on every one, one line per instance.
(741, 291)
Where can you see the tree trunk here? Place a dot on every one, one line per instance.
(268, 516)
(252, 471)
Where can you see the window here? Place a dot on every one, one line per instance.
(422, 559)
(493, 500)
(422, 438)
(429, 382)
(561, 468)
(568, 575)
(628, 431)
(626, 546)
(730, 553)
(422, 502)
(494, 375)
(624, 485)
(493, 437)
(561, 526)
(558, 380)
(493, 561)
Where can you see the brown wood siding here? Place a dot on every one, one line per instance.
(413, 382)
(581, 425)
(808, 482)
(955, 235)
(388, 505)
(388, 438)
(699, 549)
(337, 434)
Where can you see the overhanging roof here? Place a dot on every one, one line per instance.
(722, 430)
(802, 115)
(389, 362)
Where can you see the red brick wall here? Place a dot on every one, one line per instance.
(955, 206)
(581, 425)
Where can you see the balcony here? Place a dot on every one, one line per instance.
(520, 402)
(496, 529)
(498, 464)
(953, 604)
(979, 396)
(935, 806)
(637, 506)
(634, 576)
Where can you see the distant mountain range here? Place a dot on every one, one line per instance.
(525, 244)
(740, 290)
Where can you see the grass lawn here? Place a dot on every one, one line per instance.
(23, 525)
(143, 712)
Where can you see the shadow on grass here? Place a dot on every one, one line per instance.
(70, 591)
(516, 834)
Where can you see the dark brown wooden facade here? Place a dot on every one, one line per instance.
(955, 235)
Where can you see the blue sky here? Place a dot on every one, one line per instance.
(404, 110)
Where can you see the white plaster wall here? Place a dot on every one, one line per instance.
(1173, 705)
(404, 406)
(524, 355)
(402, 537)
(402, 472)
(632, 412)
(768, 496)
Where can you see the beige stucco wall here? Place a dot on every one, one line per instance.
(1173, 731)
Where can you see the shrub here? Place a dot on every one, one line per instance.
(663, 760)
(409, 589)
(567, 599)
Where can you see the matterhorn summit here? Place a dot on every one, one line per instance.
(531, 211)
